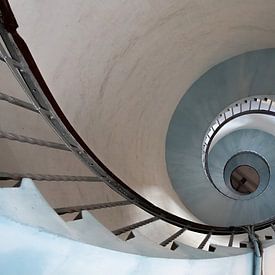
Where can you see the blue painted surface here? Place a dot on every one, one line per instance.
(31, 251)
(146, 247)
(252, 209)
(221, 172)
(221, 251)
(25, 204)
(246, 75)
(89, 230)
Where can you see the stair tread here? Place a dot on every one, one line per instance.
(224, 251)
(149, 248)
(91, 231)
(195, 253)
(26, 205)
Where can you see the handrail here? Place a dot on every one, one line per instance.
(210, 137)
(233, 111)
(23, 66)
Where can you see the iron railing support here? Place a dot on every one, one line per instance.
(230, 244)
(173, 237)
(258, 251)
(134, 226)
(205, 240)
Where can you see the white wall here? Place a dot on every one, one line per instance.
(118, 69)
(26, 250)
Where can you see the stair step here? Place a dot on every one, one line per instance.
(89, 230)
(39, 252)
(225, 251)
(25, 204)
(217, 251)
(146, 247)
(191, 252)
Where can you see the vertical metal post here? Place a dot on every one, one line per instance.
(205, 240)
(173, 237)
(260, 105)
(269, 107)
(134, 226)
(258, 251)
(230, 244)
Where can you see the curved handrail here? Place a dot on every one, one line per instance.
(211, 136)
(232, 112)
(44, 101)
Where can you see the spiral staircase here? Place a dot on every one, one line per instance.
(137, 138)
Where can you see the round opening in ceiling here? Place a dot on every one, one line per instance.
(246, 176)
(245, 179)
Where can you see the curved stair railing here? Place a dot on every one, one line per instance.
(14, 52)
(261, 104)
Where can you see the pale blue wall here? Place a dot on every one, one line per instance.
(31, 251)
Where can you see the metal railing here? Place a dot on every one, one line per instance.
(16, 55)
(261, 104)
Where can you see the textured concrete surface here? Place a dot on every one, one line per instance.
(239, 77)
(26, 250)
(111, 67)
(248, 209)
(118, 70)
(252, 121)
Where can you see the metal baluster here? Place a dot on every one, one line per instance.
(173, 237)
(230, 244)
(72, 209)
(213, 129)
(269, 107)
(205, 240)
(133, 226)
(260, 105)
(237, 109)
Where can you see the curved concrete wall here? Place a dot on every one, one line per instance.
(245, 75)
(118, 70)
